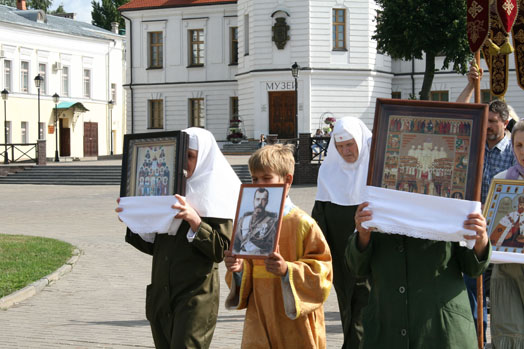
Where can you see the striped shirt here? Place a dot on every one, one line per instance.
(496, 160)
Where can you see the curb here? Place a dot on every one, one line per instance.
(37, 286)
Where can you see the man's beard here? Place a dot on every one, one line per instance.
(492, 136)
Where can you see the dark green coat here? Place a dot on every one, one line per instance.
(418, 297)
(338, 224)
(182, 299)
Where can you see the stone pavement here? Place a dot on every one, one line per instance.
(100, 303)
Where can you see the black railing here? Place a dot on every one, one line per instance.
(18, 152)
(319, 146)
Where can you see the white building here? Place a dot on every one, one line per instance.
(183, 70)
(81, 63)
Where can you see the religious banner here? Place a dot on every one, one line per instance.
(499, 51)
(507, 12)
(477, 23)
(517, 32)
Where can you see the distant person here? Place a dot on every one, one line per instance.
(341, 181)
(507, 280)
(498, 156)
(262, 141)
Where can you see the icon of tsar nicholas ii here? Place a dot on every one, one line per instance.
(256, 229)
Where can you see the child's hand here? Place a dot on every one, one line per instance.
(275, 264)
(233, 264)
(477, 223)
(187, 213)
(118, 209)
(361, 216)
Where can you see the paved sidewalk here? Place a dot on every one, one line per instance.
(100, 303)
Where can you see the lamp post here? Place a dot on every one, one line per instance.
(110, 104)
(294, 71)
(56, 99)
(38, 81)
(5, 94)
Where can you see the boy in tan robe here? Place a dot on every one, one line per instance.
(283, 294)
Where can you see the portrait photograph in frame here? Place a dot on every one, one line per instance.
(427, 147)
(153, 164)
(258, 220)
(504, 212)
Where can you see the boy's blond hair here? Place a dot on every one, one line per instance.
(277, 158)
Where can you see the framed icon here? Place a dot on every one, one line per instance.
(427, 147)
(258, 220)
(504, 212)
(153, 164)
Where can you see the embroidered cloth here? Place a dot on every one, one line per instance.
(420, 216)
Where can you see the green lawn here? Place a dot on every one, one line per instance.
(24, 259)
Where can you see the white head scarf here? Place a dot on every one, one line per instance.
(213, 188)
(339, 181)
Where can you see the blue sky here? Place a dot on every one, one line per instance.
(82, 8)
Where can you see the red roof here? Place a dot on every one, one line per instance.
(152, 4)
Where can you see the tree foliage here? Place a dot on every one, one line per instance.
(408, 29)
(59, 10)
(106, 12)
(11, 3)
(39, 4)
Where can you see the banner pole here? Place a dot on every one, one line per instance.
(480, 291)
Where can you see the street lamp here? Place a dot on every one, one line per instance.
(294, 71)
(110, 104)
(38, 81)
(5, 94)
(56, 99)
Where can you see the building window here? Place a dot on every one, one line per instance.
(156, 113)
(41, 130)
(442, 96)
(9, 133)
(65, 81)
(41, 70)
(485, 96)
(234, 45)
(246, 35)
(87, 83)
(24, 131)
(7, 75)
(396, 95)
(156, 54)
(339, 29)
(196, 47)
(234, 108)
(24, 76)
(113, 93)
(196, 112)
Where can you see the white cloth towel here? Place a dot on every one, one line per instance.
(499, 257)
(147, 215)
(420, 216)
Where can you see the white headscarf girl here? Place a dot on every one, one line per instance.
(339, 181)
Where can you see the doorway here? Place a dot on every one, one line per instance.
(282, 111)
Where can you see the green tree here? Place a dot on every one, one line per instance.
(406, 29)
(39, 4)
(11, 3)
(59, 10)
(106, 12)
